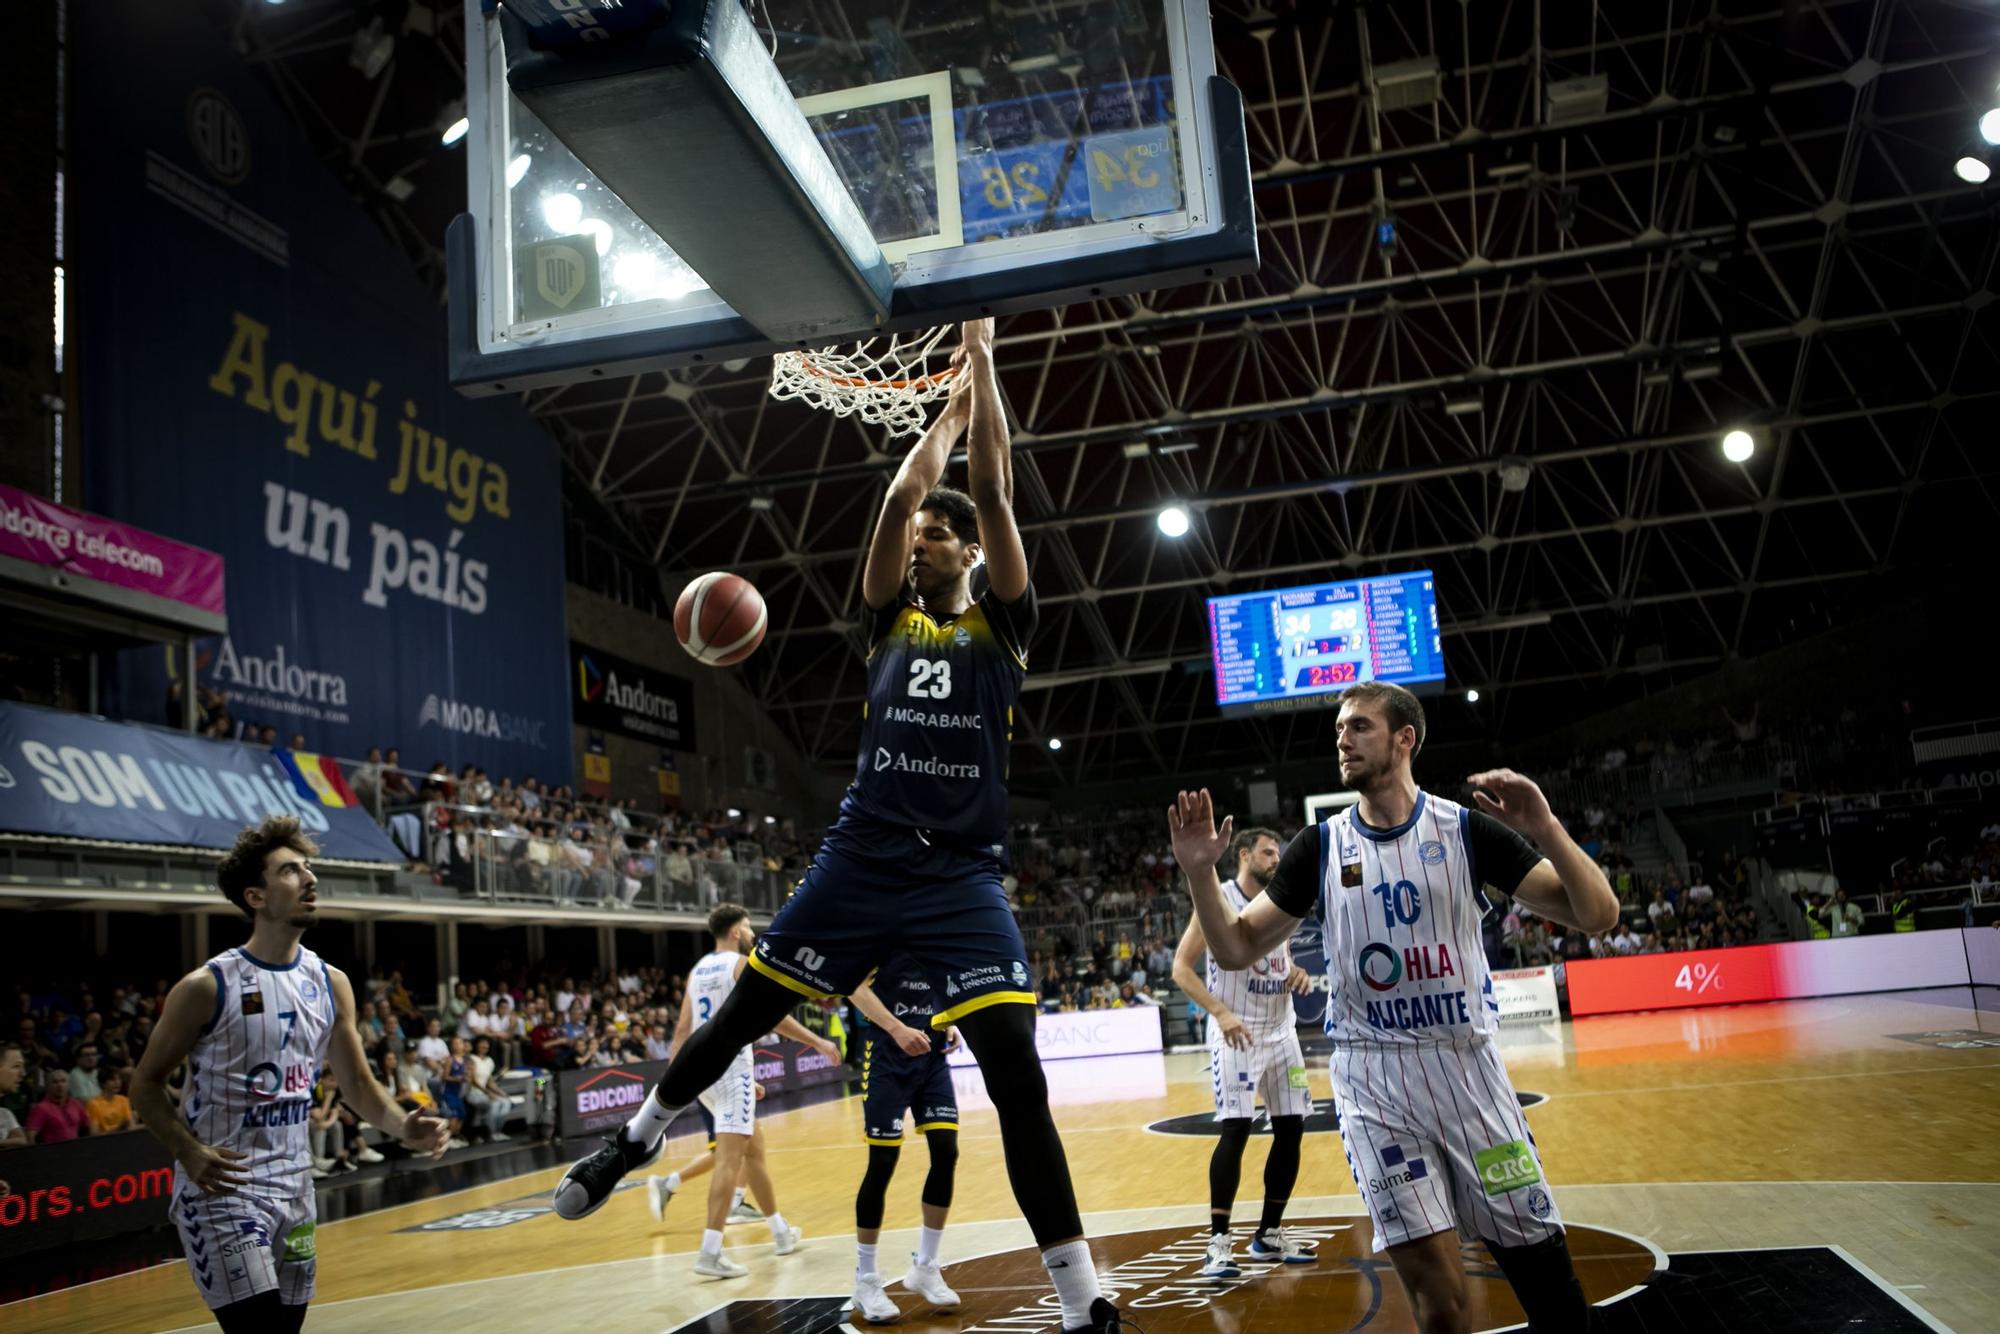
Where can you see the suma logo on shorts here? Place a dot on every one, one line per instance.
(1506, 1167)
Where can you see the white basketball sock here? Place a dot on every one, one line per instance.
(650, 1121)
(864, 1260)
(736, 1200)
(711, 1242)
(928, 1241)
(777, 1222)
(1075, 1276)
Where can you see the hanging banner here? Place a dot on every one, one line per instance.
(615, 694)
(42, 532)
(77, 776)
(263, 375)
(670, 781)
(596, 767)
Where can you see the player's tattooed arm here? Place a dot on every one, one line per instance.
(888, 567)
(1566, 886)
(370, 1101)
(1235, 940)
(989, 467)
(189, 1008)
(1187, 956)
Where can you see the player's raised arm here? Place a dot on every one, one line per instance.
(189, 1008)
(989, 467)
(888, 566)
(1235, 940)
(370, 1101)
(1566, 886)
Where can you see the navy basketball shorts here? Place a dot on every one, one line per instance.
(873, 889)
(892, 1084)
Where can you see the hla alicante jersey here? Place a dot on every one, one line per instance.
(939, 719)
(252, 1071)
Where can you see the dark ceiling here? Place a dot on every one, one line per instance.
(1760, 227)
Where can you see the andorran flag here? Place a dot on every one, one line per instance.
(317, 777)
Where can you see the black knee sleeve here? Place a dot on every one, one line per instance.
(1002, 1037)
(262, 1314)
(944, 1168)
(1281, 1169)
(1225, 1165)
(868, 1201)
(752, 1010)
(1545, 1283)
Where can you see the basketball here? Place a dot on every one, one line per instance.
(720, 619)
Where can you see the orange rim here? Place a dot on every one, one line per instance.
(863, 382)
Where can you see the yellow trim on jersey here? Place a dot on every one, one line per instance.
(929, 1126)
(896, 1143)
(786, 981)
(978, 1003)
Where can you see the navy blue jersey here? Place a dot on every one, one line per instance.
(939, 719)
(901, 986)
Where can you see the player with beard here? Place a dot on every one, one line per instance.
(1428, 1118)
(1253, 1055)
(915, 861)
(255, 1024)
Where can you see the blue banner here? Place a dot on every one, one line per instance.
(262, 374)
(77, 776)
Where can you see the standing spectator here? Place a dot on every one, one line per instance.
(57, 1117)
(483, 1098)
(110, 1111)
(12, 1068)
(1841, 917)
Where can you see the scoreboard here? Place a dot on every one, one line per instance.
(1292, 648)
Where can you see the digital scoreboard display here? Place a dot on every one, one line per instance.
(1298, 648)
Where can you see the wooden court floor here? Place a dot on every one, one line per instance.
(1830, 1123)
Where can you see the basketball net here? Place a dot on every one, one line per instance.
(884, 381)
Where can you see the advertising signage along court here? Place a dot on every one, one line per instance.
(613, 694)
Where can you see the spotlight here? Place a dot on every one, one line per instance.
(517, 169)
(1472, 697)
(1738, 446)
(1055, 743)
(452, 122)
(1173, 521)
(1972, 171)
(1989, 126)
(562, 212)
(735, 814)
(600, 230)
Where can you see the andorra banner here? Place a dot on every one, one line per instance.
(262, 374)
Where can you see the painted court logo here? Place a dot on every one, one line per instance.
(1506, 1167)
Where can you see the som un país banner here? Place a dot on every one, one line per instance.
(76, 776)
(262, 374)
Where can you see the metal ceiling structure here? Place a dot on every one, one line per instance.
(1617, 231)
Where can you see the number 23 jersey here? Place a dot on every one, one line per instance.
(939, 719)
(1401, 909)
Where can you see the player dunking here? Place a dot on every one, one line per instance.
(255, 1024)
(915, 860)
(732, 1099)
(903, 1069)
(1253, 1053)
(1432, 1129)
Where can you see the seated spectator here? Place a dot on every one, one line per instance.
(110, 1111)
(485, 1102)
(13, 1068)
(83, 1080)
(1661, 912)
(335, 1132)
(58, 1117)
(1623, 941)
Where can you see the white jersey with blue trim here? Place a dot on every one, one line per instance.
(251, 1073)
(1257, 995)
(1402, 911)
(709, 983)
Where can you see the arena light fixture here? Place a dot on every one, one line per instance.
(1972, 170)
(1472, 697)
(562, 211)
(1173, 521)
(453, 124)
(1989, 126)
(1738, 445)
(517, 169)
(1055, 743)
(735, 814)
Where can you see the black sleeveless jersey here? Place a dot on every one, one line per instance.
(939, 719)
(901, 986)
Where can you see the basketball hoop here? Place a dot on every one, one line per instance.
(884, 381)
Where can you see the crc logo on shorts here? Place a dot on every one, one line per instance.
(301, 1243)
(1430, 852)
(1539, 1203)
(1379, 976)
(1506, 1167)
